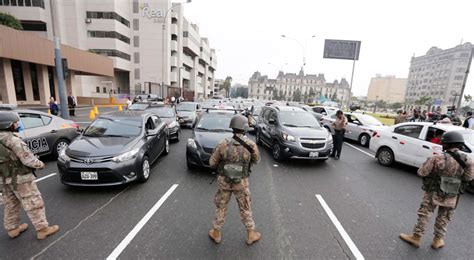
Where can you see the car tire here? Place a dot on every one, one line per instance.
(190, 165)
(364, 140)
(258, 140)
(276, 151)
(166, 149)
(60, 144)
(385, 156)
(144, 170)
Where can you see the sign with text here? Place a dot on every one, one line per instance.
(341, 49)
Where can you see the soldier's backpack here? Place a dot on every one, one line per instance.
(234, 172)
(6, 163)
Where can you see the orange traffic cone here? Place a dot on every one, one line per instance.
(96, 110)
(49, 111)
(92, 114)
(120, 108)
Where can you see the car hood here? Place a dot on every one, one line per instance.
(186, 113)
(168, 120)
(210, 139)
(375, 127)
(85, 146)
(307, 132)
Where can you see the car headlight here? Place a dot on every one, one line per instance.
(173, 124)
(63, 156)
(288, 137)
(126, 156)
(329, 138)
(192, 143)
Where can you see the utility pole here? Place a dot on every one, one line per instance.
(464, 82)
(59, 66)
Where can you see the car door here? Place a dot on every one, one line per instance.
(160, 126)
(352, 127)
(265, 126)
(430, 135)
(407, 143)
(153, 144)
(38, 134)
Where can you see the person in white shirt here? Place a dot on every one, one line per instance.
(469, 122)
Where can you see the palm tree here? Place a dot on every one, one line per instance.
(227, 84)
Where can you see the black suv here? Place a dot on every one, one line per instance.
(292, 132)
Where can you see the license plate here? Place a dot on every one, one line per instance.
(313, 154)
(87, 176)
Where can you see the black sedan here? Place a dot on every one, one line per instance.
(211, 128)
(116, 148)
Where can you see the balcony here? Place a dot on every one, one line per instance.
(185, 74)
(174, 61)
(188, 61)
(174, 29)
(174, 46)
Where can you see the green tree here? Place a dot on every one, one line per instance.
(334, 96)
(275, 95)
(10, 21)
(297, 95)
(226, 85)
(424, 101)
(467, 98)
(311, 92)
(396, 105)
(381, 104)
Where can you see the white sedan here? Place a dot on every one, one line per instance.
(413, 143)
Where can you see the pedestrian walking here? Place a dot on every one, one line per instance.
(398, 118)
(445, 177)
(53, 106)
(233, 158)
(469, 121)
(339, 127)
(17, 163)
(71, 103)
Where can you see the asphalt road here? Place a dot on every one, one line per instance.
(372, 203)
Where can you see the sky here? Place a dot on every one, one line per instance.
(247, 35)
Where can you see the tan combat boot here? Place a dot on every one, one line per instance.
(17, 231)
(437, 243)
(215, 235)
(252, 236)
(414, 240)
(46, 232)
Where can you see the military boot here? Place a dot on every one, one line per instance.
(252, 236)
(437, 243)
(414, 240)
(46, 232)
(13, 233)
(215, 235)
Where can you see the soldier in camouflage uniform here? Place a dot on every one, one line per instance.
(232, 151)
(453, 165)
(17, 179)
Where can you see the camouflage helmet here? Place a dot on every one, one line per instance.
(7, 119)
(452, 138)
(239, 122)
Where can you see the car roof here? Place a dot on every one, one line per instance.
(287, 108)
(445, 127)
(137, 115)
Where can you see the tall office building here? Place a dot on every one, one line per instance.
(150, 42)
(438, 75)
(388, 88)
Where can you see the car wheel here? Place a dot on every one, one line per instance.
(277, 152)
(144, 171)
(166, 150)
(257, 138)
(385, 156)
(364, 140)
(190, 165)
(59, 145)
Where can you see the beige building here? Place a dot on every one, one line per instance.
(387, 88)
(150, 43)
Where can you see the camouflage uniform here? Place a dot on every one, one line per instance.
(26, 193)
(240, 190)
(440, 165)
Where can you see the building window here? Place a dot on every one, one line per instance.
(52, 89)
(136, 57)
(108, 34)
(97, 89)
(136, 25)
(17, 71)
(33, 26)
(111, 53)
(108, 15)
(135, 6)
(458, 77)
(38, 3)
(27, 2)
(104, 90)
(137, 73)
(185, 34)
(136, 41)
(34, 81)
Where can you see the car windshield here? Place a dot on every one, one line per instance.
(166, 112)
(105, 127)
(214, 123)
(137, 106)
(186, 107)
(369, 120)
(298, 119)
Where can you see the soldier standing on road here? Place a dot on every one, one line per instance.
(445, 177)
(233, 158)
(19, 189)
(339, 127)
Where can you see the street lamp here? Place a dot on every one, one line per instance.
(163, 46)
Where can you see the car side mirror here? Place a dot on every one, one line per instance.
(272, 121)
(151, 132)
(324, 113)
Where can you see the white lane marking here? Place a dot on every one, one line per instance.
(79, 224)
(45, 177)
(360, 150)
(341, 230)
(119, 249)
